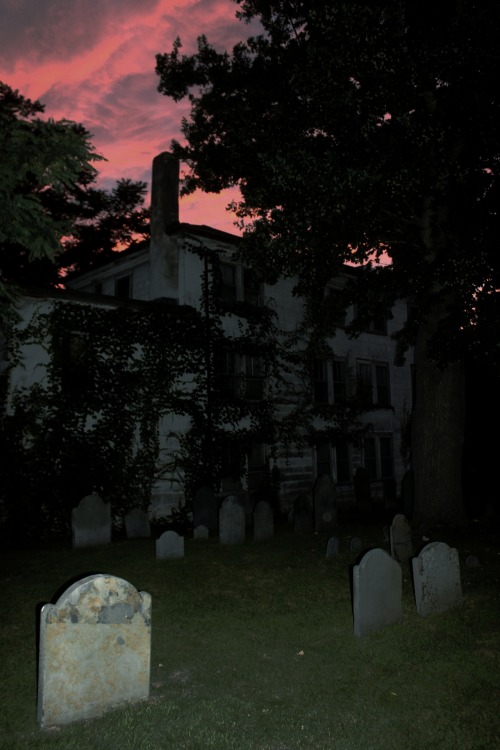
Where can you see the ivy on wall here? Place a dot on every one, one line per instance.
(92, 423)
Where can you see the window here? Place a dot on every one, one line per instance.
(339, 381)
(252, 288)
(256, 463)
(254, 378)
(323, 459)
(377, 324)
(342, 462)
(230, 466)
(320, 381)
(123, 287)
(228, 282)
(378, 456)
(373, 383)
(226, 374)
(334, 460)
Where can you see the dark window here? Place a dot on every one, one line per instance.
(254, 378)
(365, 382)
(382, 384)
(256, 459)
(386, 461)
(123, 287)
(228, 282)
(320, 382)
(252, 288)
(226, 374)
(323, 459)
(339, 382)
(230, 467)
(370, 457)
(343, 462)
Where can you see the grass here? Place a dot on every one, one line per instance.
(253, 649)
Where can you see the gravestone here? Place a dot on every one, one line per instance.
(91, 522)
(169, 545)
(95, 650)
(137, 524)
(377, 592)
(232, 521)
(355, 544)
(200, 532)
(436, 578)
(400, 535)
(206, 510)
(263, 521)
(332, 548)
(302, 515)
(325, 503)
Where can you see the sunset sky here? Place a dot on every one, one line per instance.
(93, 61)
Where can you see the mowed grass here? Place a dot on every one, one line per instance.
(253, 649)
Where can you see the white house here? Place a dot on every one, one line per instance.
(251, 375)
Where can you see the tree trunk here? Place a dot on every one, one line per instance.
(437, 435)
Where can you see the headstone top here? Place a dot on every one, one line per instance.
(377, 592)
(436, 578)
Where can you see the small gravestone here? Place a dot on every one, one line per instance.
(355, 544)
(263, 521)
(303, 519)
(137, 524)
(400, 535)
(169, 545)
(232, 521)
(436, 578)
(200, 532)
(95, 650)
(332, 548)
(325, 503)
(377, 592)
(206, 509)
(91, 522)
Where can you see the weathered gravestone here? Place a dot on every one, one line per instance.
(263, 521)
(436, 578)
(137, 524)
(95, 650)
(332, 548)
(302, 515)
(400, 534)
(232, 521)
(200, 532)
(169, 545)
(377, 592)
(206, 509)
(325, 503)
(91, 522)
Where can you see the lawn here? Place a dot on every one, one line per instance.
(253, 649)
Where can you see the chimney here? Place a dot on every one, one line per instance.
(164, 193)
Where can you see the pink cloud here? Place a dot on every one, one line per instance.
(94, 62)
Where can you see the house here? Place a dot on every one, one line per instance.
(230, 391)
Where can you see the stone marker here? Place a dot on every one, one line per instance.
(169, 545)
(95, 650)
(436, 578)
(200, 532)
(355, 544)
(232, 521)
(263, 521)
(377, 592)
(91, 522)
(206, 509)
(400, 535)
(325, 503)
(332, 548)
(137, 525)
(303, 520)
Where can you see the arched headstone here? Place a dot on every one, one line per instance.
(91, 522)
(436, 578)
(95, 650)
(377, 592)
(232, 521)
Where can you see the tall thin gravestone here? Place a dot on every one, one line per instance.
(232, 521)
(95, 650)
(263, 521)
(377, 592)
(325, 503)
(401, 538)
(91, 522)
(436, 578)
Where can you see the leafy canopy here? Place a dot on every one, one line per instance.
(356, 131)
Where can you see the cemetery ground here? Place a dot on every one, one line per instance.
(253, 649)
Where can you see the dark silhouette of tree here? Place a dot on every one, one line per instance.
(357, 131)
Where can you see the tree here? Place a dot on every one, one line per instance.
(356, 131)
(52, 217)
(37, 156)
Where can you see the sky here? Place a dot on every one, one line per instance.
(93, 61)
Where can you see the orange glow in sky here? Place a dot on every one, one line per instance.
(93, 61)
